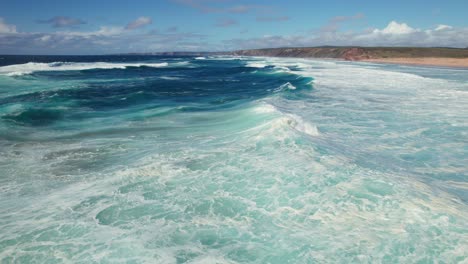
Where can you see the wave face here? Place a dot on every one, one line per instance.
(231, 160)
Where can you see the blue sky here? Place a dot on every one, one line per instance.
(101, 27)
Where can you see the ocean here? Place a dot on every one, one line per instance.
(150, 159)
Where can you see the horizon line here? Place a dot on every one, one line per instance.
(207, 52)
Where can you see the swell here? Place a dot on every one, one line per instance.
(193, 90)
(31, 67)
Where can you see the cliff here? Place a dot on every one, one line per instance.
(357, 53)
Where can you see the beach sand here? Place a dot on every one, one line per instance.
(448, 62)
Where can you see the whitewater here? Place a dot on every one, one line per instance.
(221, 159)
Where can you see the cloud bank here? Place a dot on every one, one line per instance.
(104, 40)
(123, 39)
(394, 34)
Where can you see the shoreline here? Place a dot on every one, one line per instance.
(428, 61)
(418, 56)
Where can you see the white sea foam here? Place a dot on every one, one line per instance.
(265, 108)
(200, 58)
(227, 58)
(180, 63)
(170, 78)
(282, 69)
(281, 128)
(286, 121)
(285, 86)
(301, 125)
(256, 64)
(30, 67)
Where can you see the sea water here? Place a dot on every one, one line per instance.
(145, 159)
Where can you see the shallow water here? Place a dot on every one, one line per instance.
(231, 160)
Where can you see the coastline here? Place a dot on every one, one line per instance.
(418, 56)
(424, 61)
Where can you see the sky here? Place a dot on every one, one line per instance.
(118, 26)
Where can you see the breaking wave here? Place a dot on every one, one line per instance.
(31, 67)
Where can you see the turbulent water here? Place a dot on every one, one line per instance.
(231, 160)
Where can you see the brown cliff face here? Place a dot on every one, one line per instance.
(354, 54)
(357, 53)
(295, 52)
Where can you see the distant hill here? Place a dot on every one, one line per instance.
(177, 53)
(357, 53)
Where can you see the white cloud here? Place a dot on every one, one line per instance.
(395, 28)
(443, 27)
(119, 39)
(6, 28)
(102, 32)
(45, 38)
(107, 31)
(394, 34)
(139, 22)
(104, 40)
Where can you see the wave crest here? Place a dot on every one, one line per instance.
(30, 67)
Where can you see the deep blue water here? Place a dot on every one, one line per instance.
(148, 159)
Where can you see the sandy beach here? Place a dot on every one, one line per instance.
(446, 57)
(447, 62)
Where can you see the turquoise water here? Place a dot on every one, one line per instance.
(231, 160)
